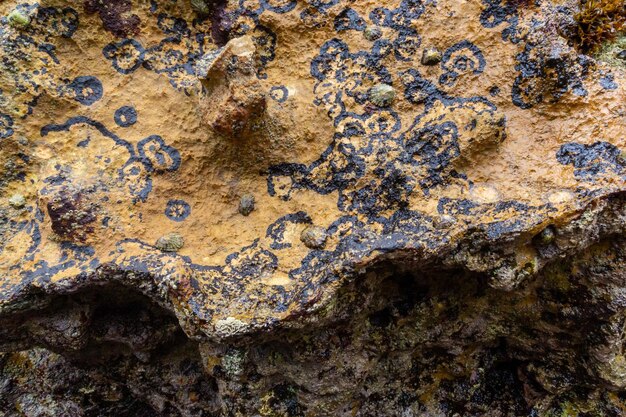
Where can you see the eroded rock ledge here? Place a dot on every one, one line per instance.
(312, 208)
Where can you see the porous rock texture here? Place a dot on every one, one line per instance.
(274, 208)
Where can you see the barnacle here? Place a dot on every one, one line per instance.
(171, 242)
(17, 201)
(382, 95)
(371, 33)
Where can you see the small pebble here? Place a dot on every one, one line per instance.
(171, 242)
(371, 33)
(431, 56)
(313, 237)
(382, 95)
(621, 55)
(17, 201)
(246, 204)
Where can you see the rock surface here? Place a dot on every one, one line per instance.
(456, 250)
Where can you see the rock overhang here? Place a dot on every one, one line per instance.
(465, 164)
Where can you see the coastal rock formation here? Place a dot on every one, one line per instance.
(313, 208)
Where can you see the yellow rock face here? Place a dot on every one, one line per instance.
(121, 123)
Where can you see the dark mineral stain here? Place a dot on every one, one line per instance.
(115, 16)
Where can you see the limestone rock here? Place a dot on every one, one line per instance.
(427, 240)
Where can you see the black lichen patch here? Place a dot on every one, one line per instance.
(115, 16)
(547, 72)
(591, 160)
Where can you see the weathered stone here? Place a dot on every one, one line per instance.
(438, 233)
(232, 98)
